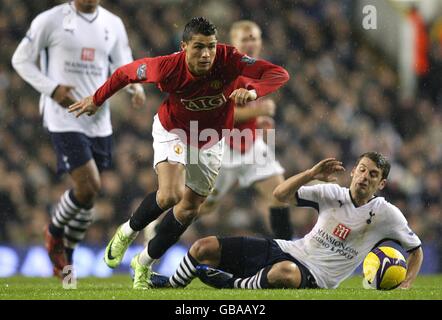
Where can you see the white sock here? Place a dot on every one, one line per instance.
(128, 231)
(185, 272)
(145, 259)
(65, 210)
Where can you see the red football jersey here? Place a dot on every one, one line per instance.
(204, 99)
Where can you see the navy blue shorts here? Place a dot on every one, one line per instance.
(74, 149)
(245, 256)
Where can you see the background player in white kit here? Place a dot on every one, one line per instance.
(251, 162)
(79, 43)
(351, 222)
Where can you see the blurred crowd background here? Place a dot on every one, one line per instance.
(342, 100)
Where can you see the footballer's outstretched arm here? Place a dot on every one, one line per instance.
(265, 76)
(245, 113)
(146, 70)
(414, 262)
(321, 171)
(263, 107)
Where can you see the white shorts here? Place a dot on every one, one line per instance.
(202, 165)
(256, 164)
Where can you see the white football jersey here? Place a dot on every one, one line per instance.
(75, 49)
(345, 234)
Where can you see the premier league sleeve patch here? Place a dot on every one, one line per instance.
(248, 60)
(141, 72)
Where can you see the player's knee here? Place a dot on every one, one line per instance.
(204, 250)
(284, 274)
(187, 211)
(185, 215)
(170, 198)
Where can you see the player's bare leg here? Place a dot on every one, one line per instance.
(284, 274)
(207, 251)
(87, 185)
(170, 229)
(208, 207)
(204, 257)
(175, 223)
(72, 216)
(224, 183)
(171, 183)
(87, 182)
(207, 254)
(171, 180)
(279, 212)
(281, 275)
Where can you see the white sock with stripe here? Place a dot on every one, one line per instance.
(65, 210)
(75, 229)
(258, 281)
(185, 272)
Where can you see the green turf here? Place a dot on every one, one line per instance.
(119, 287)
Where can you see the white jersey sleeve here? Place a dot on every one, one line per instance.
(399, 229)
(319, 196)
(121, 52)
(25, 56)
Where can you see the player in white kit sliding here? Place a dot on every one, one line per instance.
(351, 222)
(78, 43)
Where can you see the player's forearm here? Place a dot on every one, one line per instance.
(245, 114)
(267, 77)
(133, 88)
(118, 80)
(286, 190)
(414, 263)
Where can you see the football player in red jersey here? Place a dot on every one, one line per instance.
(250, 161)
(188, 132)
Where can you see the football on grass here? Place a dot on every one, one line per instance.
(384, 268)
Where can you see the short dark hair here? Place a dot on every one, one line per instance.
(380, 160)
(198, 25)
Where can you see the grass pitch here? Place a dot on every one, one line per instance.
(118, 287)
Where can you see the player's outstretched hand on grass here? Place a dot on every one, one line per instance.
(405, 285)
(241, 96)
(324, 169)
(85, 105)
